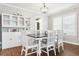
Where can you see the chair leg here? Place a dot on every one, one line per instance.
(37, 52)
(62, 47)
(47, 52)
(59, 49)
(21, 52)
(26, 52)
(54, 51)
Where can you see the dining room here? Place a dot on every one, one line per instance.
(39, 29)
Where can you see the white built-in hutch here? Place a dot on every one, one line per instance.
(12, 25)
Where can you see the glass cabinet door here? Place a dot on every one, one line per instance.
(14, 21)
(6, 17)
(6, 20)
(21, 21)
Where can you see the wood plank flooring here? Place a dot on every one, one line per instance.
(70, 50)
(11, 52)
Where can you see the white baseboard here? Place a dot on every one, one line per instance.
(71, 43)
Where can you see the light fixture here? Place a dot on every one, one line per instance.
(44, 9)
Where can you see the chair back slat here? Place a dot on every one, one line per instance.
(60, 35)
(51, 37)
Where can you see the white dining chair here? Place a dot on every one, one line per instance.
(49, 44)
(28, 43)
(60, 40)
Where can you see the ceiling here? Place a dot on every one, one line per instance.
(52, 7)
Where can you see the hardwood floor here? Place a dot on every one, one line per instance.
(11, 52)
(70, 50)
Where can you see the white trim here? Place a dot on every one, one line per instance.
(71, 43)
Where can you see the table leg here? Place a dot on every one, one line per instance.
(39, 47)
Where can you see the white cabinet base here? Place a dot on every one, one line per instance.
(10, 39)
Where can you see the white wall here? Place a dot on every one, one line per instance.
(50, 27)
(45, 23)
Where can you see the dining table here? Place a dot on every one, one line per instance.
(39, 38)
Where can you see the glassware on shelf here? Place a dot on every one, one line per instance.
(13, 29)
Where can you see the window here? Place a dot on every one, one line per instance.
(69, 24)
(57, 23)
